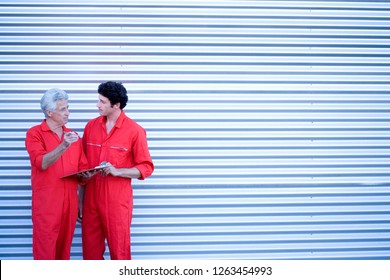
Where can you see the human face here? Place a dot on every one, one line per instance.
(104, 106)
(61, 113)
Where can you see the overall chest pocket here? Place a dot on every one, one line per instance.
(119, 155)
(92, 152)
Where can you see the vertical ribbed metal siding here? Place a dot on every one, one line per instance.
(268, 120)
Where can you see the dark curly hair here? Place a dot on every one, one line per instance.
(115, 92)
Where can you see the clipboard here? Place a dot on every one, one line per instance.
(83, 171)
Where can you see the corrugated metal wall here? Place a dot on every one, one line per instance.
(268, 120)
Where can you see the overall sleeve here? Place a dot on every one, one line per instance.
(141, 156)
(35, 147)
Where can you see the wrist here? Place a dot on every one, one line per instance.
(65, 145)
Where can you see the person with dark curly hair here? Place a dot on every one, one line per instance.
(106, 201)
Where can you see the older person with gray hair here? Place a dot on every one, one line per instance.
(54, 151)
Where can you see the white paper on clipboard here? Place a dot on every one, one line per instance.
(83, 171)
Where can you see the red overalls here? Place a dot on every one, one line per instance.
(108, 200)
(54, 200)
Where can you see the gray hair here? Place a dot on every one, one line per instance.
(50, 98)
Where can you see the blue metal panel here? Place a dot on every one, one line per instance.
(268, 121)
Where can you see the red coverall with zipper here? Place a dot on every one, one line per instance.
(54, 199)
(108, 200)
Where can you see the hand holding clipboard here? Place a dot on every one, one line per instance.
(86, 174)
